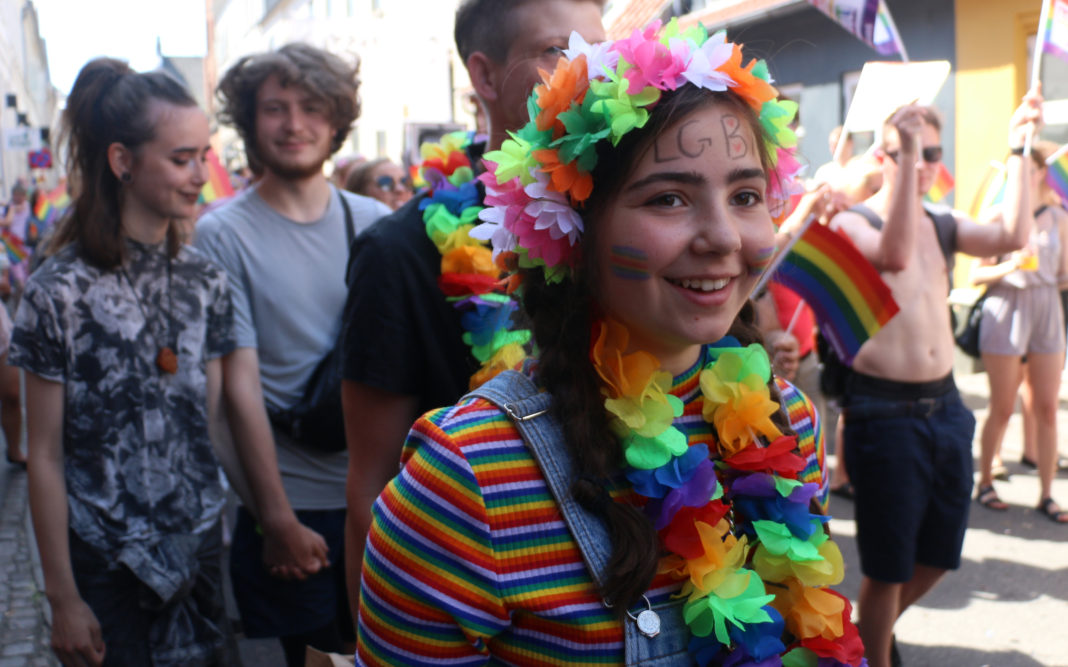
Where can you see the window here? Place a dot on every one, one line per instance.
(1054, 77)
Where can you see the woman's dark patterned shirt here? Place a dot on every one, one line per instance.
(140, 471)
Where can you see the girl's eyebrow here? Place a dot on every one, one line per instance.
(694, 178)
(684, 177)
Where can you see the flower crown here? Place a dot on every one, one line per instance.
(599, 92)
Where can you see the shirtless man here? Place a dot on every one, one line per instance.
(908, 436)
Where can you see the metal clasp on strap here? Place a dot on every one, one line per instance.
(514, 413)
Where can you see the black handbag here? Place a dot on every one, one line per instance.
(967, 335)
(317, 420)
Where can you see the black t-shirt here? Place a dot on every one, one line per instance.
(400, 334)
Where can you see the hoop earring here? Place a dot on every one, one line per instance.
(125, 178)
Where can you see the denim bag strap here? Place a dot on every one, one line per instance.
(529, 410)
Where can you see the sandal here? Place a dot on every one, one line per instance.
(988, 498)
(17, 463)
(1055, 515)
(1062, 463)
(843, 490)
(1000, 473)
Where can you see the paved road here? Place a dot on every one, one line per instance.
(1006, 607)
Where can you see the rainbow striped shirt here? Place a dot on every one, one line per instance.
(469, 561)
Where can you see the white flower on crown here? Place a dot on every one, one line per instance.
(599, 57)
(701, 71)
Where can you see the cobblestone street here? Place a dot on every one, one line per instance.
(24, 629)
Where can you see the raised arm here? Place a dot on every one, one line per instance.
(76, 635)
(1017, 210)
(898, 238)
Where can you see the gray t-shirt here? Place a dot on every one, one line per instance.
(287, 282)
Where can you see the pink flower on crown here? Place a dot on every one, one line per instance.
(556, 226)
(652, 63)
(504, 205)
(783, 183)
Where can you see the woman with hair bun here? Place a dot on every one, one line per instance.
(637, 492)
(120, 332)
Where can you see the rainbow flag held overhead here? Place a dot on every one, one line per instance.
(991, 192)
(942, 185)
(218, 185)
(16, 249)
(1057, 173)
(1056, 29)
(849, 298)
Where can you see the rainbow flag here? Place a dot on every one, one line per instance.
(849, 298)
(16, 249)
(991, 192)
(1057, 173)
(218, 185)
(43, 208)
(868, 20)
(942, 185)
(1056, 29)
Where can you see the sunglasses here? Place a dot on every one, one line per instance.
(931, 154)
(389, 184)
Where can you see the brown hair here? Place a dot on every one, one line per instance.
(928, 114)
(359, 179)
(109, 103)
(562, 315)
(322, 74)
(487, 26)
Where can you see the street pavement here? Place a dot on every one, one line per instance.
(1007, 606)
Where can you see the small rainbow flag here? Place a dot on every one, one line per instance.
(991, 192)
(218, 185)
(849, 298)
(1057, 173)
(1056, 29)
(942, 185)
(43, 208)
(16, 249)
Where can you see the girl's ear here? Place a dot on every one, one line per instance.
(120, 160)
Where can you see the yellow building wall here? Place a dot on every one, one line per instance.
(992, 76)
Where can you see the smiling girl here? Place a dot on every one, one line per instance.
(635, 494)
(120, 333)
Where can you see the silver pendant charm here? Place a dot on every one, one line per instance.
(648, 623)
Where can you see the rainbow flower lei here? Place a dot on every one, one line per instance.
(599, 92)
(756, 563)
(470, 276)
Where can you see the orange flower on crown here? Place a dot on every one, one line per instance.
(754, 90)
(566, 178)
(568, 83)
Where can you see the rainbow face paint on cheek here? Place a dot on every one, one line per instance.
(762, 261)
(628, 263)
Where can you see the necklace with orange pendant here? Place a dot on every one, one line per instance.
(166, 359)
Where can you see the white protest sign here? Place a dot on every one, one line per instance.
(885, 86)
(21, 138)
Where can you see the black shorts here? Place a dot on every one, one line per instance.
(909, 457)
(272, 607)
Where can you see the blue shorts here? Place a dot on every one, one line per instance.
(909, 457)
(272, 607)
